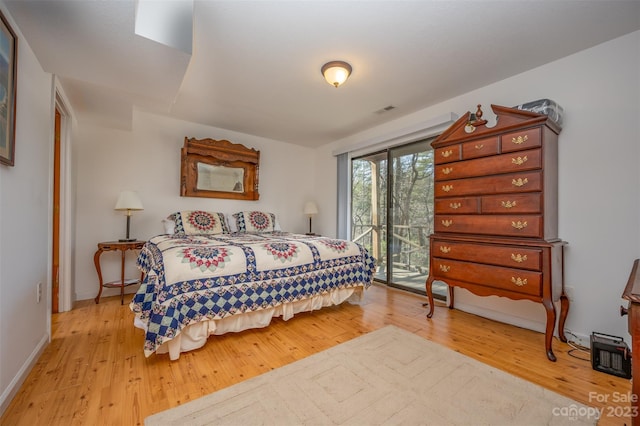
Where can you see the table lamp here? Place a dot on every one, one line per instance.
(310, 209)
(129, 201)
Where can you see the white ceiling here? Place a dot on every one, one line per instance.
(255, 65)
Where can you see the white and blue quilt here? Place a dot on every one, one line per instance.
(193, 278)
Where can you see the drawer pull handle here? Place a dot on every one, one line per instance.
(519, 224)
(447, 170)
(519, 161)
(445, 268)
(519, 281)
(447, 188)
(518, 257)
(508, 204)
(447, 154)
(455, 205)
(480, 146)
(520, 139)
(519, 182)
(445, 249)
(447, 222)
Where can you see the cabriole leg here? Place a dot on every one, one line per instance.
(429, 286)
(551, 323)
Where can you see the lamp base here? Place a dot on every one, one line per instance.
(127, 239)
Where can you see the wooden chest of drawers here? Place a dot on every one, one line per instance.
(496, 222)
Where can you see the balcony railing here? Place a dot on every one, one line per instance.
(409, 245)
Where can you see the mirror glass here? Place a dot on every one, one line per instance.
(220, 178)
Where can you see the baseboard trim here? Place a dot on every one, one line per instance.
(12, 390)
(503, 317)
(106, 292)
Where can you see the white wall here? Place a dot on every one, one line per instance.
(599, 153)
(25, 225)
(147, 159)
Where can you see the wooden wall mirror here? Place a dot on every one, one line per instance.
(219, 169)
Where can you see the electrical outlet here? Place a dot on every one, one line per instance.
(578, 338)
(38, 292)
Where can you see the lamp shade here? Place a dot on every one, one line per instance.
(129, 200)
(336, 72)
(310, 208)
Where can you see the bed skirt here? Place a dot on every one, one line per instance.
(195, 335)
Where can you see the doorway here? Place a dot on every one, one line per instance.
(60, 282)
(55, 249)
(392, 211)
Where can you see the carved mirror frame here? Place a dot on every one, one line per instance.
(219, 169)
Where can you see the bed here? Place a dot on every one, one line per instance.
(208, 277)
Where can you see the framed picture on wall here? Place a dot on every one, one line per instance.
(8, 57)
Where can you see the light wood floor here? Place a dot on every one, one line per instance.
(94, 371)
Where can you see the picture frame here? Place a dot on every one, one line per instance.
(219, 169)
(8, 74)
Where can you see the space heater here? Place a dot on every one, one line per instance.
(611, 355)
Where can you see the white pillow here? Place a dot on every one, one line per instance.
(169, 226)
(231, 221)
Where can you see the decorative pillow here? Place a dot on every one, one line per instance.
(255, 221)
(200, 222)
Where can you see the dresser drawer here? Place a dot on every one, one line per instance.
(505, 163)
(447, 154)
(480, 148)
(510, 256)
(511, 203)
(499, 184)
(510, 279)
(522, 139)
(529, 226)
(528, 203)
(462, 205)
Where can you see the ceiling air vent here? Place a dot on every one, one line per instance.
(385, 109)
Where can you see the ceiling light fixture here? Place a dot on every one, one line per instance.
(336, 72)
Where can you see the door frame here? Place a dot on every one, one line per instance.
(55, 215)
(65, 302)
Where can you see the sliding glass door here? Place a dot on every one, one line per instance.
(369, 207)
(392, 211)
(410, 214)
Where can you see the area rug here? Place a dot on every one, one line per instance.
(389, 376)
